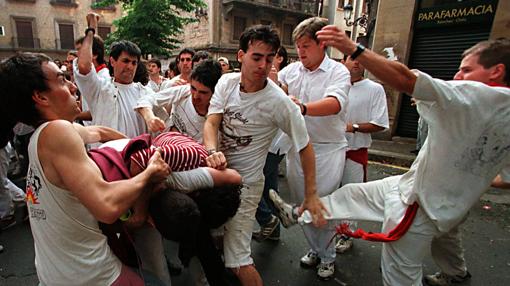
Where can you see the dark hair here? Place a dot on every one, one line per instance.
(130, 48)
(141, 73)
(185, 51)
(282, 52)
(263, 33)
(155, 61)
(97, 47)
(173, 67)
(207, 73)
(491, 53)
(200, 55)
(20, 76)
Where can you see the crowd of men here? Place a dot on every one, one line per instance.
(209, 167)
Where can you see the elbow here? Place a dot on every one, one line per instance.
(235, 178)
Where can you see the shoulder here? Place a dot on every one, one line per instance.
(58, 134)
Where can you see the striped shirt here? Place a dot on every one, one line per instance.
(179, 151)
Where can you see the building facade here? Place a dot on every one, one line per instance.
(430, 35)
(220, 25)
(48, 26)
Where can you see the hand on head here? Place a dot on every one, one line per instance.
(335, 37)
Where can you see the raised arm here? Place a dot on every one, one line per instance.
(85, 53)
(67, 166)
(392, 73)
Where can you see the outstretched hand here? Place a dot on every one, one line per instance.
(316, 208)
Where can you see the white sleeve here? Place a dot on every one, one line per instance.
(339, 86)
(164, 98)
(89, 85)
(292, 123)
(217, 102)
(282, 75)
(431, 89)
(379, 108)
(188, 181)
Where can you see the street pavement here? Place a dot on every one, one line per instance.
(486, 233)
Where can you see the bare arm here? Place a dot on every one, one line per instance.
(61, 147)
(225, 177)
(153, 122)
(311, 201)
(392, 73)
(85, 56)
(215, 160)
(94, 134)
(321, 107)
(364, 127)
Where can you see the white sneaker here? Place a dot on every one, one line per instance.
(443, 279)
(326, 270)
(311, 259)
(287, 213)
(344, 244)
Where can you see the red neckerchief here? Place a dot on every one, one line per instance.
(497, 84)
(100, 67)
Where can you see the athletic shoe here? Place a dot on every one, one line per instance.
(344, 244)
(443, 279)
(1, 248)
(326, 270)
(270, 230)
(310, 260)
(287, 213)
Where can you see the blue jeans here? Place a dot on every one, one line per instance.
(266, 208)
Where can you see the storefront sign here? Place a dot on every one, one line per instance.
(460, 14)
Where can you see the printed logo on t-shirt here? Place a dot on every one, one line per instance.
(230, 139)
(33, 188)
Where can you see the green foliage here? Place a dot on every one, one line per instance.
(153, 25)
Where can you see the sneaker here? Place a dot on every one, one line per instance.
(443, 279)
(7, 222)
(326, 270)
(1, 248)
(344, 244)
(310, 260)
(286, 213)
(271, 230)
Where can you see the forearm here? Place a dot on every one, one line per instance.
(211, 127)
(146, 113)
(307, 157)
(85, 55)
(323, 107)
(84, 115)
(364, 127)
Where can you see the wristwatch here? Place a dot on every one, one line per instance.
(355, 128)
(211, 151)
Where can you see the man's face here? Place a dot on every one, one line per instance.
(153, 69)
(224, 66)
(185, 64)
(310, 52)
(470, 69)
(355, 68)
(61, 93)
(256, 61)
(124, 68)
(200, 97)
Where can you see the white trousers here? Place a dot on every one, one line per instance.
(329, 162)
(7, 188)
(353, 172)
(379, 201)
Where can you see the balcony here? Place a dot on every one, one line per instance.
(300, 8)
(26, 43)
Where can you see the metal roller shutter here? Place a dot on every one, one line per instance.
(436, 51)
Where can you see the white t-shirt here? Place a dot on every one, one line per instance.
(183, 115)
(70, 249)
(102, 73)
(330, 79)
(250, 122)
(154, 86)
(170, 83)
(367, 103)
(467, 146)
(112, 104)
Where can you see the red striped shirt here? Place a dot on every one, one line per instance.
(179, 151)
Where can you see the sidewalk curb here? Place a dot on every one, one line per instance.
(391, 158)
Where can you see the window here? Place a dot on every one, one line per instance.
(239, 27)
(71, 3)
(25, 34)
(104, 31)
(287, 34)
(66, 33)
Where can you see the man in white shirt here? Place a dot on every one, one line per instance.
(248, 109)
(155, 77)
(187, 104)
(185, 65)
(466, 149)
(112, 104)
(319, 85)
(367, 113)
